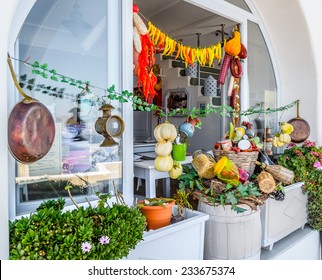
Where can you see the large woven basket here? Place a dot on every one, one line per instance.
(244, 160)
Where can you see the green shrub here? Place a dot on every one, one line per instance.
(306, 162)
(100, 233)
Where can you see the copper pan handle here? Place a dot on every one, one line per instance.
(298, 109)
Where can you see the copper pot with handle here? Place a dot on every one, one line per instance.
(301, 128)
(31, 128)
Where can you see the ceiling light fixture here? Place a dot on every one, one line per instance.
(76, 23)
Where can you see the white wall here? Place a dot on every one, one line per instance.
(6, 17)
(313, 20)
(293, 50)
(297, 60)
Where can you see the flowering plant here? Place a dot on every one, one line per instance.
(94, 233)
(306, 162)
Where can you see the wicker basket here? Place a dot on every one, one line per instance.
(244, 160)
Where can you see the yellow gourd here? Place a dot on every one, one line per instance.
(163, 148)
(175, 171)
(285, 138)
(233, 46)
(286, 128)
(163, 163)
(165, 131)
(277, 142)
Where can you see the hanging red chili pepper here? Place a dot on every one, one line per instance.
(146, 76)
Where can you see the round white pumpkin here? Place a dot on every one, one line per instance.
(163, 148)
(165, 131)
(163, 163)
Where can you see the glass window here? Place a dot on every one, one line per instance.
(239, 3)
(261, 77)
(71, 37)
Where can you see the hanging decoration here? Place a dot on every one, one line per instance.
(231, 59)
(126, 96)
(27, 122)
(143, 57)
(234, 52)
(163, 42)
(110, 126)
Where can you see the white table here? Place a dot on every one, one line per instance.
(145, 170)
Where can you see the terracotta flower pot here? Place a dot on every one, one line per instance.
(157, 216)
(193, 121)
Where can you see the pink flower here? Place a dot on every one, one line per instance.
(291, 145)
(314, 153)
(317, 165)
(299, 153)
(86, 247)
(104, 240)
(308, 143)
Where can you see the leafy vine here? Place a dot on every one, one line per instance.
(137, 103)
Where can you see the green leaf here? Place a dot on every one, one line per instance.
(111, 89)
(35, 71)
(35, 64)
(199, 186)
(222, 199)
(229, 186)
(44, 66)
(231, 198)
(44, 75)
(243, 190)
(238, 209)
(253, 190)
(54, 78)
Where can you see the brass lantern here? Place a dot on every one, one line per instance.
(109, 126)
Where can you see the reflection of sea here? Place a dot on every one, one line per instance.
(81, 156)
(76, 158)
(106, 154)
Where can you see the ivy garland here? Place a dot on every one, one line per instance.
(138, 104)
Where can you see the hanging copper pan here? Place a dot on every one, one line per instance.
(301, 128)
(31, 128)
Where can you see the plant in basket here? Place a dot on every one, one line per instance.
(306, 162)
(225, 187)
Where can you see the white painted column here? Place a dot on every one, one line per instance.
(127, 84)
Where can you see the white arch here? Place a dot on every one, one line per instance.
(12, 18)
(297, 82)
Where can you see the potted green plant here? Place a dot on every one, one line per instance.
(105, 232)
(306, 162)
(182, 201)
(158, 211)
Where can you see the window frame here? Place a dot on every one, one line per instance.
(119, 14)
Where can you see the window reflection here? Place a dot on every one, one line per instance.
(76, 156)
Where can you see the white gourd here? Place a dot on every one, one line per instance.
(163, 163)
(165, 131)
(163, 148)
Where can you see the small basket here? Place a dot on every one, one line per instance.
(243, 160)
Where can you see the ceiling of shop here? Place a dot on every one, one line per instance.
(177, 18)
(182, 20)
